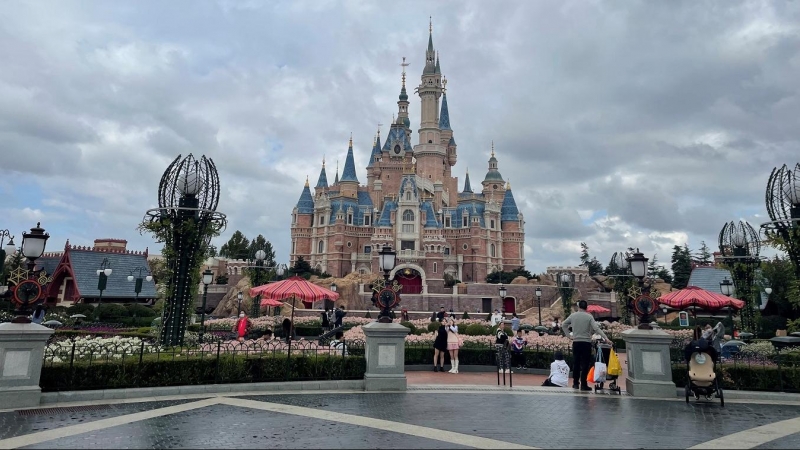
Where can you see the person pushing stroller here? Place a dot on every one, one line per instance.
(583, 327)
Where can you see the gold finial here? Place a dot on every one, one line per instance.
(430, 24)
(444, 84)
(492, 148)
(351, 139)
(508, 185)
(306, 180)
(379, 130)
(323, 161)
(404, 64)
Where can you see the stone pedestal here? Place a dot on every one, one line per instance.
(386, 357)
(649, 368)
(21, 353)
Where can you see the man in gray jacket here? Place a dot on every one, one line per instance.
(583, 327)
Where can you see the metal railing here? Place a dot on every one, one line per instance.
(86, 364)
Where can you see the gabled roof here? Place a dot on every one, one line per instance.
(85, 264)
(376, 150)
(708, 278)
(48, 263)
(364, 199)
(397, 135)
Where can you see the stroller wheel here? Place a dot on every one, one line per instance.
(721, 398)
(687, 389)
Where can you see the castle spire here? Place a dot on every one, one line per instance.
(430, 54)
(349, 172)
(467, 187)
(323, 177)
(444, 115)
(336, 181)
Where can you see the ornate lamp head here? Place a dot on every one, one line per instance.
(739, 240)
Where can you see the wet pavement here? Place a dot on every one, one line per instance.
(424, 417)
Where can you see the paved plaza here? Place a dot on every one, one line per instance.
(426, 416)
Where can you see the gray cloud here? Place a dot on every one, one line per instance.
(619, 124)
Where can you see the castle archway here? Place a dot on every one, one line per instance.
(412, 277)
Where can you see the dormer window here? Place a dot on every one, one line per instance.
(408, 196)
(408, 216)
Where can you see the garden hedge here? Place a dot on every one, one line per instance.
(151, 372)
(481, 356)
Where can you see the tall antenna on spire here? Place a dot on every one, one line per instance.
(404, 64)
(430, 24)
(492, 147)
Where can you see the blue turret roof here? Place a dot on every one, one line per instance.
(452, 141)
(467, 187)
(509, 211)
(430, 215)
(323, 178)
(397, 135)
(444, 116)
(376, 151)
(386, 215)
(472, 209)
(349, 172)
(306, 204)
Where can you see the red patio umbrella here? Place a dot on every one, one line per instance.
(270, 302)
(597, 309)
(294, 288)
(698, 298)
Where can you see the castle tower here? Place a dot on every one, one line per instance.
(348, 185)
(430, 152)
(513, 231)
(493, 183)
(322, 182)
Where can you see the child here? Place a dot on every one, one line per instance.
(338, 344)
(517, 345)
(559, 372)
(501, 344)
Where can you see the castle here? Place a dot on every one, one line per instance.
(412, 203)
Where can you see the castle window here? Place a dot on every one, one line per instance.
(491, 224)
(435, 268)
(464, 222)
(447, 250)
(367, 249)
(366, 220)
(407, 245)
(408, 215)
(408, 228)
(320, 246)
(349, 244)
(408, 195)
(447, 221)
(294, 246)
(322, 220)
(491, 250)
(349, 218)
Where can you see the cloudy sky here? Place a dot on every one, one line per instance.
(619, 123)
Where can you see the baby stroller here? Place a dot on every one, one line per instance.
(701, 379)
(604, 355)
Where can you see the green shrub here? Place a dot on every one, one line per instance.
(465, 316)
(748, 377)
(144, 330)
(482, 355)
(768, 325)
(793, 326)
(476, 329)
(368, 315)
(82, 333)
(433, 327)
(166, 371)
(139, 310)
(81, 308)
(107, 311)
(410, 326)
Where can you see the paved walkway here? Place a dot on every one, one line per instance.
(427, 416)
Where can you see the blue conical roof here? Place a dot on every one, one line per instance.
(444, 116)
(349, 172)
(306, 204)
(323, 178)
(467, 187)
(509, 211)
(376, 150)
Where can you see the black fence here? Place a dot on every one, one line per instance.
(82, 365)
(533, 356)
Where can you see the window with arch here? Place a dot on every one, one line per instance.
(408, 215)
(492, 251)
(320, 246)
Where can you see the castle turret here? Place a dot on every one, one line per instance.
(431, 152)
(493, 182)
(306, 203)
(512, 224)
(349, 182)
(322, 183)
(467, 186)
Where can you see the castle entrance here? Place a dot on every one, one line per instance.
(410, 279)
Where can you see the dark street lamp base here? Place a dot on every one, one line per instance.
(385, 316)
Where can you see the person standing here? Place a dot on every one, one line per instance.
(583, 327)
(514, 323)
(440, 347)
(453, 343)
(501, 345)
(243, 325)
(496, 318)
(440, 315)
(326, 323)
(340, 313)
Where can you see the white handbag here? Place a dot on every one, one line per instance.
(600, 369)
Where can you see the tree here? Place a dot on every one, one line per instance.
(506, 277)
(236, 248)
(664, 274)
(159, 270)
(785, 298)
(652, 266)
(12, 262)
(595, 267)
(612, 268)
(681, 266)
(704, 256)
(584, 254)
(261, 243)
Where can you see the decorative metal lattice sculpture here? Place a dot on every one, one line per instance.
(185, 220)
(783, 207)
(740, 245)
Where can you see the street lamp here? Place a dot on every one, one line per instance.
(9, 248)
(664, 309)
(726, 287)
(102, 274)
(208, 277)
(539, 303)
(239, 298)
(29, 290)
(387, 259)
(783, 207)
(333, 289)
(259, 256)
(139, 279)
(644, 305)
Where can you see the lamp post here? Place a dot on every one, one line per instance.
(503, 292)
(239, 298)
(185, 220)
(139, 279)
(620, 268)
(664, 309)
(333, 289)
(644, 305)
(6, 250)
(740, 244)
(102, 278)
(257, 269)
(208, 277)
(387, 259)
(29, 291)
(539, 303)
(783, 207)
(726, 288)
(566, 284)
